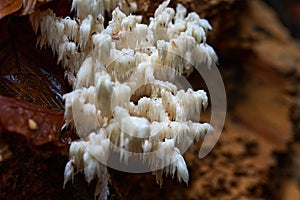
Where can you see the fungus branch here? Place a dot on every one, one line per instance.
(124, 79)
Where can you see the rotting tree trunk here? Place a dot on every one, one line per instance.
(259, 62)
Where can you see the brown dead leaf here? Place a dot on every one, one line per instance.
(28, 73)
(8, 7)
(39, 125)
(25, 7)
(33, 85)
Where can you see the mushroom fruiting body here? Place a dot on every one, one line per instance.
(125, 93)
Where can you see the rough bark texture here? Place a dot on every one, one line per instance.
(257, 155)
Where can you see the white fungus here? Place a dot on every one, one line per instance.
(123, 77)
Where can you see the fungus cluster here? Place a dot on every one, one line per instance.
(126, 98)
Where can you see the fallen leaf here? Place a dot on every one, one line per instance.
(39, 125)
(8, 7)
(31, 85)
(26, 72)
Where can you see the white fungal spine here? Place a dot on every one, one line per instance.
(123, 77)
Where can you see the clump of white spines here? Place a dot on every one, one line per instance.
(123, 75)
